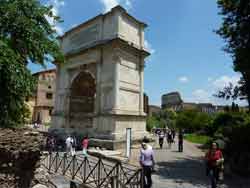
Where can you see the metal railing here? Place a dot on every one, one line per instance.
(92, 171)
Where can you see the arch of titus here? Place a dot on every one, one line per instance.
(99, 89)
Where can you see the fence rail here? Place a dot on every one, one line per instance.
(94, 172)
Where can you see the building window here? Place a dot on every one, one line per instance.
(49, 95)
(49, 87)
(50, 112)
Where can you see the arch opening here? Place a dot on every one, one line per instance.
(82, 94)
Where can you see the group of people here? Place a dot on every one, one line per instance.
(213, 159)
(70, 143)
(170, 134)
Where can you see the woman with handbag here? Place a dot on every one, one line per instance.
(214, 162)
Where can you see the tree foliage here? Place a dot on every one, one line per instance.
(16, 84)
(192, 121)
(25, 28)
(162, 119)
(235, 30)
(25, 36)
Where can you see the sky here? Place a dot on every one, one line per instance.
(186, 53)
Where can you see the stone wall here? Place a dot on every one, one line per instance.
(19, 157)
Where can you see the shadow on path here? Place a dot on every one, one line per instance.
(191, 171)
(183, 170)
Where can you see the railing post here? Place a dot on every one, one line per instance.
(73, 166)
(117, 175)
(112, 182)
(85, 169)
(57, 156)
(99, 171)
(50, 161)
(64, 163)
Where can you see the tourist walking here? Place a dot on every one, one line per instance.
(69, 142)
(180, 141)
(214, 161)
(161, 139)
(147, 162)
(51, 143)
(85, 143)
(173, 134)
(74, 145)
(169, 139)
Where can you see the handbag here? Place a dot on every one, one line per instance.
(220, 163)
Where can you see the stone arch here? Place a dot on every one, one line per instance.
(82, 94)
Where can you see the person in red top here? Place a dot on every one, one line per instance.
(214, 158)
(85, 143)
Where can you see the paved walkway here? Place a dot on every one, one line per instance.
(185, 170)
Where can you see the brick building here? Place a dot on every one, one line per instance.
(44, 96)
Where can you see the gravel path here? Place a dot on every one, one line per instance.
(186, 170)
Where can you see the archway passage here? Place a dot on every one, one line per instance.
(83, 90)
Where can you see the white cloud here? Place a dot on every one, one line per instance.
(223, 81)
(149, 47)
(57, 4)
(215, 85)
(183, 79)
(128, 4)
(109, 4)
(201, 96)
(209, 79)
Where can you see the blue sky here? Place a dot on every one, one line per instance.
(186, 54)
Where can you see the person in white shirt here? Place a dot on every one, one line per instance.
(69, 142)
(147, 162)
(74, 145)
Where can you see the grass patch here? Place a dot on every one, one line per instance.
(198, 139)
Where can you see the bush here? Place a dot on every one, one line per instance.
(235, 131)
(238, 149)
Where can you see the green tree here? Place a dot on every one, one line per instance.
(185, 120)
(25, 36)
(235, 30)
(192, 120)
(169, 117)
(154, 122)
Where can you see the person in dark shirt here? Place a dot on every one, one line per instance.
(180, 141)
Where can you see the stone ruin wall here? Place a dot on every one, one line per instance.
(20, 151)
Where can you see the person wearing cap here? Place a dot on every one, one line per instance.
(147, 162)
